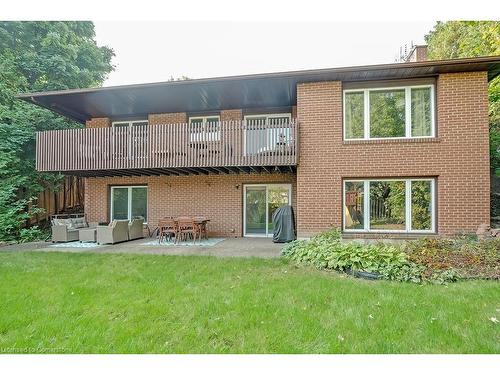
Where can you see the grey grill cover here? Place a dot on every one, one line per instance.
(284, 224)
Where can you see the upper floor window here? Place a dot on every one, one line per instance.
(128, 140)
(204, 128)
(267, 132)
(392, 112)
(129, 124)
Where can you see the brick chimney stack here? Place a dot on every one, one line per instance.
(418, 53)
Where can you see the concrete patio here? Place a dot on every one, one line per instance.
(220, 247)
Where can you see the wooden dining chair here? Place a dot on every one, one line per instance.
(166, 229)
(201, 224)
(186, 228)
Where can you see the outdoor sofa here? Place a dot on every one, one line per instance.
(120, 231)
(65, 229)
(136, 229)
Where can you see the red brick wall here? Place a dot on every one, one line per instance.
(231, 115)
(167, 118)
(458, 157)
(182, 117)
(213, 196)
(98, 122)
(173, 118)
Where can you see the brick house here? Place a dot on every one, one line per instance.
(382, 150)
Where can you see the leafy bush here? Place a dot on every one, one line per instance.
(32, 234)
(313, 251)
(327, 251)
(495, 205)
(386, 260)
(13, 212)
(432, 260)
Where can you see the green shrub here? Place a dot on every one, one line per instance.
(327, 251)
(433, 260)
(14, 212)
(313, 251)
(32, 234)
(495, 205)
(444, 276)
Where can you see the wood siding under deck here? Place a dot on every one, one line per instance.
(177, 149)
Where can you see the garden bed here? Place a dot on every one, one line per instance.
(466, 256)
(434, 260)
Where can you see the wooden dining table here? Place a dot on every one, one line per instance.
(196, 220)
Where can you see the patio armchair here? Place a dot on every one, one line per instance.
(116, 231)
(135, 229)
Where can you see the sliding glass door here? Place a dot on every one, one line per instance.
(128, 202)
(260, 202)
(255, 212)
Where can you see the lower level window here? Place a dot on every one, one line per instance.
(129, 202)
(389, 205)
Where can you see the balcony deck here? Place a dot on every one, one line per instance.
(170, 149)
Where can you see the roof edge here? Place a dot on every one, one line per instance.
(467, 60)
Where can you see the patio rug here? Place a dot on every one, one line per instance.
(76, 244)
(202, 243)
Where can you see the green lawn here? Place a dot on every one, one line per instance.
(111, 303)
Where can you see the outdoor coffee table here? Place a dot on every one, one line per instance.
(88, 234)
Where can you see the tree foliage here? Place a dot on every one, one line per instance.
(38, 56)
(455, 39)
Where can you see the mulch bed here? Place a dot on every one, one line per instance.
(471, 259)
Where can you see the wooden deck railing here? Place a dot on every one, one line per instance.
(223, 144)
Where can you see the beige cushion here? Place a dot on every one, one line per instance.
(79, 222)
(67, 222)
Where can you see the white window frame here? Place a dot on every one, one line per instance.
(129, 199)
(366, 108)
(129, 123)
(267, 116)
(408, 211)
(289, 186)
(208, 136)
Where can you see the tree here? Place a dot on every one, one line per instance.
(38, 56)
(181, 78)
(455, 39)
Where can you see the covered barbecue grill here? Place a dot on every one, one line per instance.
(284, 224)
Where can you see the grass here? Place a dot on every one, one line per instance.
(117, 303)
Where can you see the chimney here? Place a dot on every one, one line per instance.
(418, 53)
